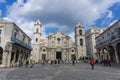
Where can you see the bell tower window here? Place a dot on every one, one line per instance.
(36, 39)
(37, 30)
(81, 42)
(80, 32)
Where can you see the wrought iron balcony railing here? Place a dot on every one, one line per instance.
(108, 40)
(115, 37)
(21, 43)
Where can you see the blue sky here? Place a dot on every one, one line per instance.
(105, 21)
(60, 14)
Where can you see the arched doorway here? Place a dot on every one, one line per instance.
(105, 53)
(118, 51)
(101, 55)
(112, 53)
(59, 53)
(17, 56)
(73, 57)
(1, 54)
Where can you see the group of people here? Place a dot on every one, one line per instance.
(107, 62)
(58, 61)
(26, 63)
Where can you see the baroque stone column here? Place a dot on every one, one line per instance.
(14, 58)
(116, 56)
(4, 58)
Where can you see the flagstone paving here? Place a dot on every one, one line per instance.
(80, 71)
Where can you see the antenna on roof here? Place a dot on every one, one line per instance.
(0, 15)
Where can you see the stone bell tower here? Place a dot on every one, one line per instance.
(80, 40)
(36, 41)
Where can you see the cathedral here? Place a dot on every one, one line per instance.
(58, 45)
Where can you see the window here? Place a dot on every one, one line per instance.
(15, 35)
(43, 50)
(36, 39)
(23, 38)
(108, 34)
(58, 39)
(29, 43)
(72, 50)
(81, 42)
(37, 30)
(80, 32)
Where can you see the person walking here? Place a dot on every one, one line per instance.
(73, 62)
(92, 63)
(109, 61)
(27, 64)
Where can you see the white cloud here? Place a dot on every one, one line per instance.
(60, 13)
(109, 16)
(72, 35)
(2, 1)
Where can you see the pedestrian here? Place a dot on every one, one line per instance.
(73, 61)
(26, 64)
(105, 62)
(20, 63)
(92, 63)
(43, 61)
(51, 62)
(109, 61)
(58, 61)
(96, 61)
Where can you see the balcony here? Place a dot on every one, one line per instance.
(21, 43)
(115, 37)
(108, 40)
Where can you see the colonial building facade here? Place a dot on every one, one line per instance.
(108, 43)
(15, 45)
(90, 36)
(58, 45)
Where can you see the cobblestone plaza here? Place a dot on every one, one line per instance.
(80, 71)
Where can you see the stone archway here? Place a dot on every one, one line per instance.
(17, 56)
(59, 53)
(118, 51)
(7, 54)
(105, 53)
(1, 54)
(112, 53)
(101, 55)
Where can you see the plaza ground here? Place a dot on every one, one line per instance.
(80, 71)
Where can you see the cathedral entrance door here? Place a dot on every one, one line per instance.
(44, 56)
(73, 57)
(58, 55)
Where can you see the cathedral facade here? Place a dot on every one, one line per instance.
(58, 45)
